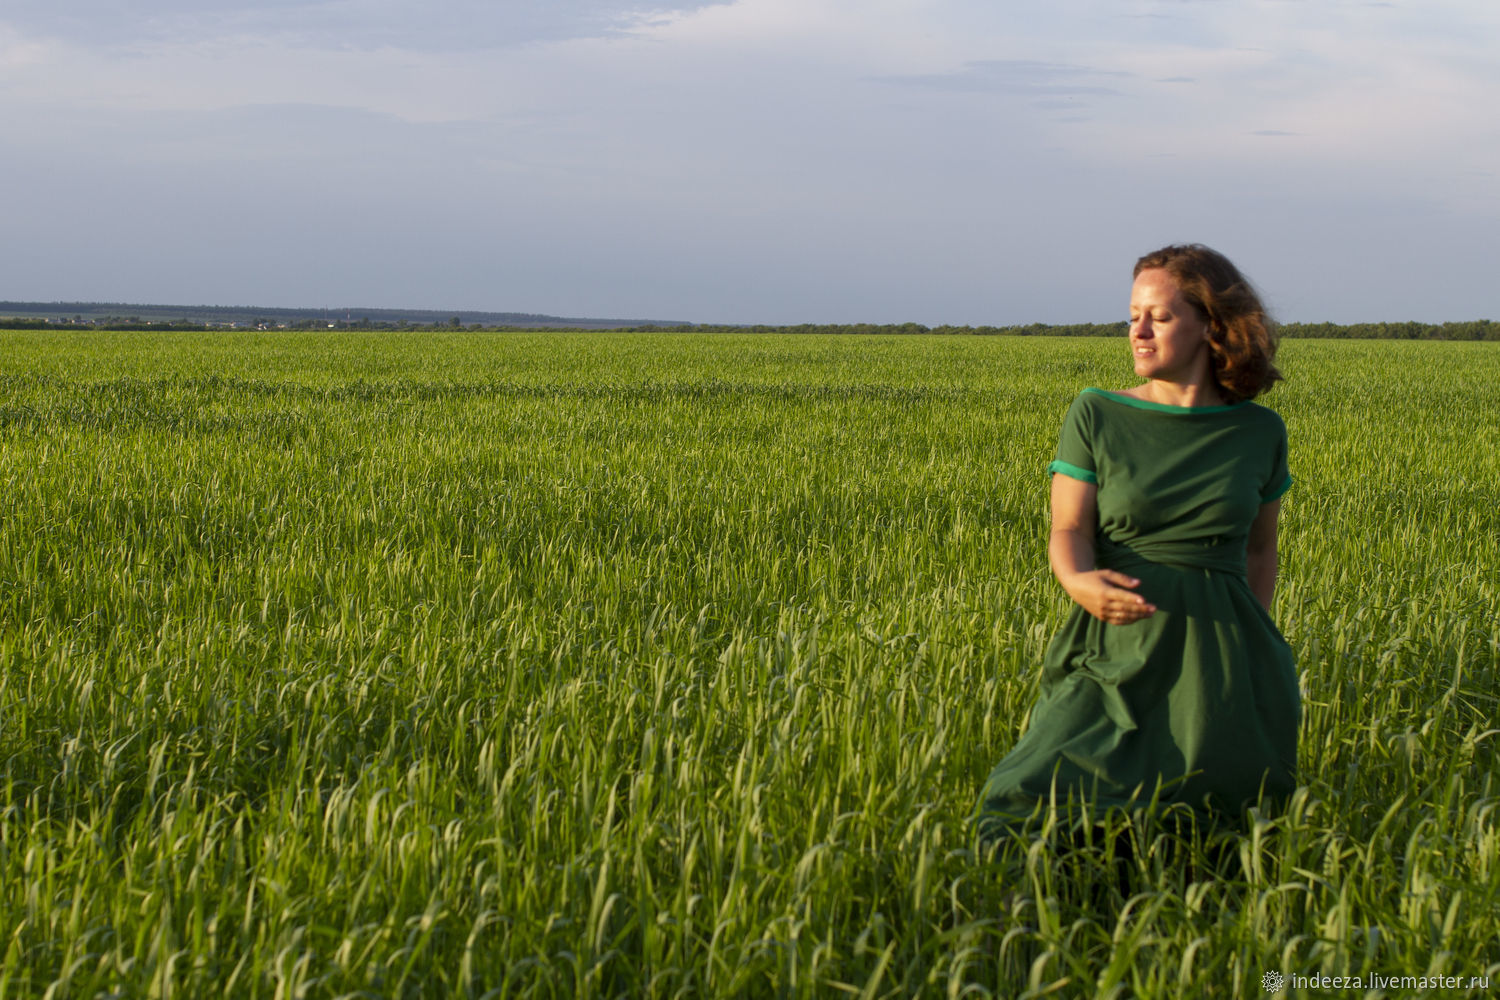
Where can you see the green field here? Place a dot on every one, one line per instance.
(496, 664)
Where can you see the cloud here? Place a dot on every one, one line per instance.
(453, 25)
(762, 159)
(1015, 78)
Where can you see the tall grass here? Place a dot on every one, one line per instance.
(538, 665)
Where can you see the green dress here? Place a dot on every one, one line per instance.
(1198, 703)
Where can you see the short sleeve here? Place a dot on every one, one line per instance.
(1075, 445)
(1280, 478)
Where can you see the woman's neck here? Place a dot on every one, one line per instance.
(1193, 394)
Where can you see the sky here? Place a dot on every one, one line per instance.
(754, 161)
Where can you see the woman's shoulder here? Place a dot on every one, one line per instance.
(1262, 414)
(1092, 396)
(1127, 400)
(1086, 403)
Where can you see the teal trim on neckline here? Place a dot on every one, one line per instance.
(1073, 472)
(1146, 404)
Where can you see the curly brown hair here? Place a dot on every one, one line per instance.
(1242, 338)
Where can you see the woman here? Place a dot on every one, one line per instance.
(1168, 681)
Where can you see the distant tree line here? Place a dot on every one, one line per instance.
(1479, 329)
(1474, 329)
(111, 313)
(1028, 330)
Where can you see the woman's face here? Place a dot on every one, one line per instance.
(1168, 338)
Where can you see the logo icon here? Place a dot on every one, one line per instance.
(1272, 982)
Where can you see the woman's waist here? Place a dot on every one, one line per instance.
(1221, 555)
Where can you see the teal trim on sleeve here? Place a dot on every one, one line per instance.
(1278, 492)
(1073, 472)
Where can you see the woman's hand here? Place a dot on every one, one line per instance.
(1109, 596)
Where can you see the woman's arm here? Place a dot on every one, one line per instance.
(1104, 593)
(1260, 554)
